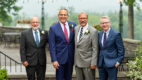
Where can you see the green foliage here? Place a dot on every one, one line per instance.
(135, 3)
(98, 27)
(8, 7)
(135, 67)
(3, 74)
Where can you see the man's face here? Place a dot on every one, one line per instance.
(35, 23)
(63, 16)
(83, 19)
(105, 24)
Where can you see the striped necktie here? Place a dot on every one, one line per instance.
(66, 33)
(81, 33)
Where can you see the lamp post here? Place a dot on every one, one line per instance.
(42, 14)
(121, 17)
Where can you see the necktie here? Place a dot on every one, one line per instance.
(104, 39)
(66, 33)
(81, 32)
(36, 38)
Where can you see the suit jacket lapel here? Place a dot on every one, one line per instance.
(100, 38)
(41, 37)
(76, 34)
(71, 32)
(109, 36)
(32, 37)
(85, 34)
(61, 31)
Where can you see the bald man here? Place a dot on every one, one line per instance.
(32, 50)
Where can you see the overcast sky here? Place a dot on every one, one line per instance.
(33, 7)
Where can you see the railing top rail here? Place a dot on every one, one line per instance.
(9, 57)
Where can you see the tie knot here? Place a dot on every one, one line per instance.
(104, 33)
(64, 25)
(81, 28)
(36, 31)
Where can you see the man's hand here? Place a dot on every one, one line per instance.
(25, 63)
(93, 66)
(56, 64)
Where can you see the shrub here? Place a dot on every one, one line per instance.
(3, 74)
(135, 66)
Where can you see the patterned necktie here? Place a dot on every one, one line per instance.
(104, 39)
(36, 38)
(81, 32)
(66, 33)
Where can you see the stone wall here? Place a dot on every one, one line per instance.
(11, 29)
(130, 45)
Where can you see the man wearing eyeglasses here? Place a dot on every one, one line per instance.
(32, 50)
(111, 50)
(61, 44)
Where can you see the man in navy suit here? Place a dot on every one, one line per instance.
(111, 51)
(61, 44)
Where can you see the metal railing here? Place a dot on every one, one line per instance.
(124, 67)
(6, 61)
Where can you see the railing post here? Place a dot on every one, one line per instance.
(5, 62)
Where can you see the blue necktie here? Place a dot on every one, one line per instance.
(104, 40)
(36, 38)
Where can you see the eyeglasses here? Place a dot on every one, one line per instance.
(34, 22)
(83, 18)
(104, 22)
(63, 15)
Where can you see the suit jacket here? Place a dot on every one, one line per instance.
(28, 49)
(113, 51)
(60, 49)
(86, 50)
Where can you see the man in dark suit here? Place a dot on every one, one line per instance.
(32, 50)
(111, 51)
(61, 44)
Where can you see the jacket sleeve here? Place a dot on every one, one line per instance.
(52, 46)
(120, 48)
(23, 47)
(94, 47)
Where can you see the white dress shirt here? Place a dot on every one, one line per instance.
(107, 33)
(84, 29)
(38, 34)
(67, 27)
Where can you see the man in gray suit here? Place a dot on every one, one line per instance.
(32, 50)
(86, 49)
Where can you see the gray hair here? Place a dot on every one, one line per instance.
(83, 13)
(105, 17)
(63, 9)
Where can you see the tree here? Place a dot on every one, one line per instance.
(8, 7)
(131, 4)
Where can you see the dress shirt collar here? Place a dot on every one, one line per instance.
(84, 28)
(107, 32)
(62, 23)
